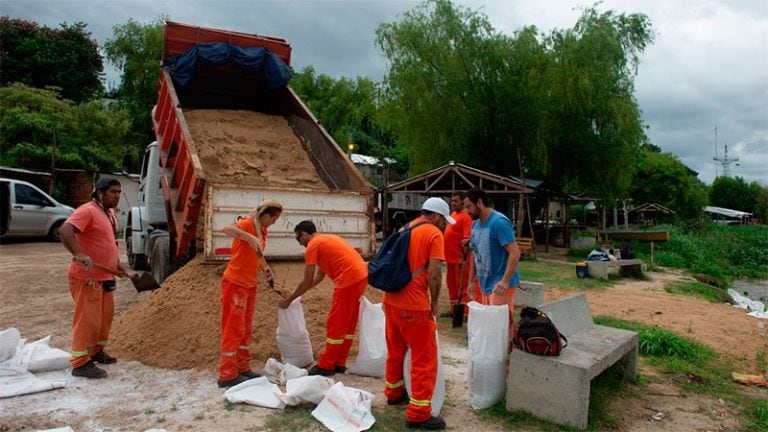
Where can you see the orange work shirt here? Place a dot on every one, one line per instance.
(244, 262)
(426, 243)
(336, 258)
(96, 239)
(454, 234)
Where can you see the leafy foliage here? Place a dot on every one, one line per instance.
(136, 49)
(37, 56)
(735, 193)
(42, 131)
(459, 90)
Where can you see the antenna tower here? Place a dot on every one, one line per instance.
(726, 162)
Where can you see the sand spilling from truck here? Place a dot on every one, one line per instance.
(178, 326)
(261, 150)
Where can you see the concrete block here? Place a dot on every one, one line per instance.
(569, 314)
(529, 294)
(600, 269)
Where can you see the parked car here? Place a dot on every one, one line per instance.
(33, 213)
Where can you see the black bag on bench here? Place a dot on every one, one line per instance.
(536, 334)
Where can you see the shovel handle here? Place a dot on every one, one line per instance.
(108, 269)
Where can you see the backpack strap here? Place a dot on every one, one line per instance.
(421, 269)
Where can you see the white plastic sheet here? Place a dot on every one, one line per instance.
(257, 391)
(281, 373)
(372, 349)
(345, 409)
(488, 333)
(756, 308)
(309, 389)
(25, 383)
(438, 396)
(292, 336)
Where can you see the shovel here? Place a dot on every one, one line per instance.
(458, 308)
(270, 281)
(142, 283)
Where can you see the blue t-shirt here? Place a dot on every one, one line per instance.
(487, 243)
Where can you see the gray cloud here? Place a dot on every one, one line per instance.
(708, 66)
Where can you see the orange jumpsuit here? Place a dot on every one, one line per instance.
(94, 307)
(410, 324)
(344, 265)
(454, 279)
(238, 300)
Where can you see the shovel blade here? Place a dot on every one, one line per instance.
(144, 282)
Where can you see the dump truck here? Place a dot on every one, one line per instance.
(230, 134)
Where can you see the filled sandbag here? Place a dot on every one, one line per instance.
(488, 334)
(292, 336)
(372, 349)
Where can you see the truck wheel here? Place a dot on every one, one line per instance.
(136, 261)
(160, 263)
(53, 233)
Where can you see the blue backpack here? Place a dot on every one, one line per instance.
(389, 270)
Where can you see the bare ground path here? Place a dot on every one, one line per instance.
(34, 298)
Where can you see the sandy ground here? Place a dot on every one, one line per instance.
(137, 397)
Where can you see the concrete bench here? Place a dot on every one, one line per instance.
(557, 388)
(529, 294)
(600, 269)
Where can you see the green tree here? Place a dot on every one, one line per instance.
(67, 58)
(459, 90)
(662, 179)
(136, 49)
(735, 193)
(43, 131)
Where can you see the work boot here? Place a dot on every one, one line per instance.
(399, 401)
(89, 370)
(317, 370)
(341, 369)
(233, 382)
(103, 358)
(249, 373)
(432, 423)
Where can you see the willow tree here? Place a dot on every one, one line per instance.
(457, 89)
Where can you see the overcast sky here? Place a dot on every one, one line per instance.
(707, 68)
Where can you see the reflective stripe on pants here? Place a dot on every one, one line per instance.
(237, 305)
(92, 319)
(341, 324)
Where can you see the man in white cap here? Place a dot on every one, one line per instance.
(410, 318)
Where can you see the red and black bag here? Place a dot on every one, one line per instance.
(535, 333)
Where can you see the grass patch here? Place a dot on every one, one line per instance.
(390, 419)
(695, 368)
(559, 275)
(698, 290)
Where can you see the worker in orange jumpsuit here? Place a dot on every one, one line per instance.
(238, 291)
(410, 319)
(332, 255)
(455, 234)
(90, 234)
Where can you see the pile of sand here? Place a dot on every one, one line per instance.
(178, 325)
(261, 150)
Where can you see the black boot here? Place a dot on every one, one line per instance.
(89, 370)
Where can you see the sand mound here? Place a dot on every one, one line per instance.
(261, 150)
(178, 325)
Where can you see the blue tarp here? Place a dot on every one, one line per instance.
(257, 59)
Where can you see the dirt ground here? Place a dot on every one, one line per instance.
(182, 395)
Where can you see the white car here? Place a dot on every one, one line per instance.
(33, 213)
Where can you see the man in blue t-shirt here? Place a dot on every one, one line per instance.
(496, 253)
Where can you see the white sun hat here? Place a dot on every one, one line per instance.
(439, 206)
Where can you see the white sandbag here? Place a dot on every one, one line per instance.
(372, 349)
(60, 429)
(345, 409)
(744, 302)
(488, 334)
(17, 364)
(292, 336)
(257, 391)
(281, 373)
(9, 341)
(310, 389)
(26, 383)
(41, 357)
(438, 395)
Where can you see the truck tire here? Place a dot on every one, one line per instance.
(160, 263)
(137, 261)
(53, 233)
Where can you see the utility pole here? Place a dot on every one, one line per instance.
(726, 162)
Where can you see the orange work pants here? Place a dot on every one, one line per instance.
(341, 324)
(414, 330)
(237, 305)
(92, 320)
(456, 279)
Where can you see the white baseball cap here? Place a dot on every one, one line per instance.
(439, 206)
